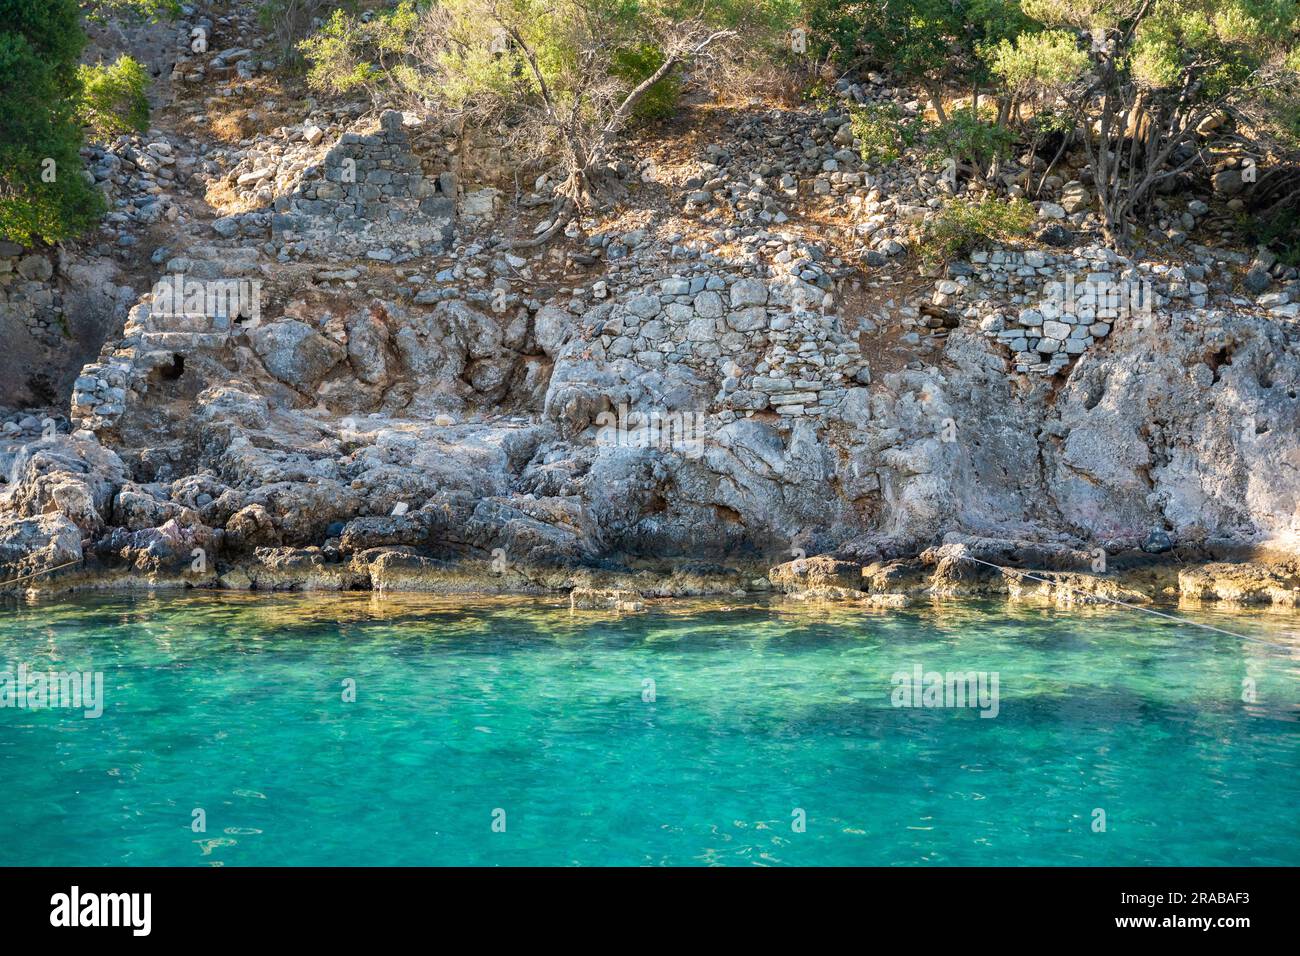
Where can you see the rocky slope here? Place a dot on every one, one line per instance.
(741, 365)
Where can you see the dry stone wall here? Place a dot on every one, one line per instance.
(28, 299)
(368, 197)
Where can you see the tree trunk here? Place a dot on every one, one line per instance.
(564, 211)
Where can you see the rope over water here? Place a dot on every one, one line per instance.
(24, 577)
(1127, 604)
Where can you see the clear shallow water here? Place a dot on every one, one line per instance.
(234, 704)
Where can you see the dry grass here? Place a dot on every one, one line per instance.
(225, 200)
(231, 119)
(232, 126)
(742, 83)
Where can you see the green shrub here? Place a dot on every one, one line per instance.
(113, 99)
(882, 132)
(43, 194)
(969, 137)
(347, 53)
(961, 224)
(634, 64)
(104, 10)
(1280, 232)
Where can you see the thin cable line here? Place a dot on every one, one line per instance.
(1129, 605)
(33, 574)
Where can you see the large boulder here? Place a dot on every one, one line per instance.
(821, 573)
(367, 347)
(295, 353)
(552, 326)
(33, 545)
(250, 527)
(143, 506)
(360, 534)
(69, 475)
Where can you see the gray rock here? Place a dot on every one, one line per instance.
(295, 353)
(552, 326)
(748, 320)
(1257, 281)
(36, 268)
(1157, 542)
(748, 292)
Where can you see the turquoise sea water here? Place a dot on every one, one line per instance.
(234, 704)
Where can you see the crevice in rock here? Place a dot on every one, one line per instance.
(174, 371)
(1219, 359)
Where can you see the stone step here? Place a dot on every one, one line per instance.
(180, 341)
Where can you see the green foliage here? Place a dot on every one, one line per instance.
(1036, 62)
(917, 38)
(882, 132)
(559, 72)
(636, 63)
(350, 54)
(342, 53)
(833, 29)
(43, 195)
(969, 137)
(990, 23)
(1280, 232)
(1220, 43)
(113, 98)
(818, 92)
(921, 40)
(1224, 40)
(102, 10)
(1049, 122)
(914, 37)
(961, 224)
(1173, 64)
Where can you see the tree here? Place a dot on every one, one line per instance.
(566, 76)
(1164, 73)
(1035, 70)
(43, 195)
(288, 21)
(918, 39)
(930, 42)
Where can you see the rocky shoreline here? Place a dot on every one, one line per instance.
(962, 568)
(742, 361)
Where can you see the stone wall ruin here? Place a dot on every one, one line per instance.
(369, 197)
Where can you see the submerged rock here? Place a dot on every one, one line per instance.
(594, 599)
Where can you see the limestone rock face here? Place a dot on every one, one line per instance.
(31, 545)
(666, 397)
(368, 339)
(72, 476)
(724, 396)
(1148, 442)
(361, 534)
(552, 325)
(1183, 432)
